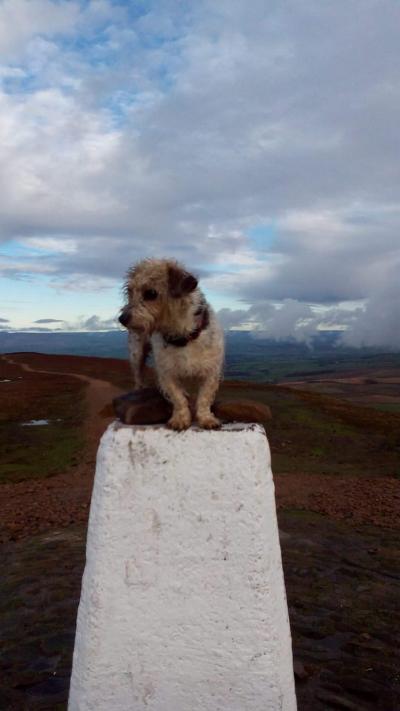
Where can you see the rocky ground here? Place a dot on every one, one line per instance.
(342, 573)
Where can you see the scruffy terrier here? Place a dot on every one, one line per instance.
(166, 312)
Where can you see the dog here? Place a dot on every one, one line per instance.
(166, 312)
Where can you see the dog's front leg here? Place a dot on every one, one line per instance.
(181, 417)
(205, 399)
(139, 348)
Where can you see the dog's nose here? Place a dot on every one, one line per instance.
(124, 318)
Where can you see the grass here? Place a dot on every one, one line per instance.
(388, 407)
(315, 433)
(39, 451)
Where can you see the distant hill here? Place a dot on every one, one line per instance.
(112, 344)
(247, 357)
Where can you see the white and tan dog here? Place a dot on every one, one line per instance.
(166, 312)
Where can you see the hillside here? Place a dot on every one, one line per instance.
(329, 455)
(336, 471)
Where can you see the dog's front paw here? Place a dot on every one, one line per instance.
(208, 422)
(179, 421)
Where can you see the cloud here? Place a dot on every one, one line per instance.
(377, 324)
(48, 320)
(84, 283)
(50, 244)
(22, 20)
(286, 321)
(4, 320)
(176, 128)
(82, 323)
(36, 329)
(95, 323)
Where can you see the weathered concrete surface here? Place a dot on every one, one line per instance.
(183, 603)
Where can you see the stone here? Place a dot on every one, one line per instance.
(146, 407)
(183, 603)
(149, 407)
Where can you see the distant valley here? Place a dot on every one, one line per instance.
(247, 357)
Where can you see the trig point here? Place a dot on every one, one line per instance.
(183, 604)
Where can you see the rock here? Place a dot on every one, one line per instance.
(149, 407)
(142, 407)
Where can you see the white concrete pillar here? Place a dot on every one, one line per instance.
(183, 604)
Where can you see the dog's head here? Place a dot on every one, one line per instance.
(151, 288)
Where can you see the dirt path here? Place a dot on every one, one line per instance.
(39, 505)
(99, 393)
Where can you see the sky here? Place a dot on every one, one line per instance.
(257, 142)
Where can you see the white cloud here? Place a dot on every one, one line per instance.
(289, 320)
(51, 244)
(24, 268)
(83, 283)
(92, 323)
(20, 20)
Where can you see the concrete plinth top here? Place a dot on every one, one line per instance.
(183, 604)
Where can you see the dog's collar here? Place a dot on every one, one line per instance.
(203, 319)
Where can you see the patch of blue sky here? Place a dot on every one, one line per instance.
(95, 50)
(16, 249)
(109, 41)
(218, 300)
(22, 305)
(123, 103)
(225, 268)
(163, 77)
(19, 83)
(262, 236)
(214, 268)
(119, 107)
(136, 9)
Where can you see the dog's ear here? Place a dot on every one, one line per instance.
(180, 282)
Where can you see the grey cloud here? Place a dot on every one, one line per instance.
(48, 320)
(4, 320)
(95, 323)
(378, 323)
(36, 329)
(229, 318)
(290, 320)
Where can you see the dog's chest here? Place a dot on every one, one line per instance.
(188, 360)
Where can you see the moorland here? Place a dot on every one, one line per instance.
(335, 442)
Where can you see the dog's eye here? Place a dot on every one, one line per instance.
(150, 294)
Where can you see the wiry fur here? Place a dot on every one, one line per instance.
(173, 314)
